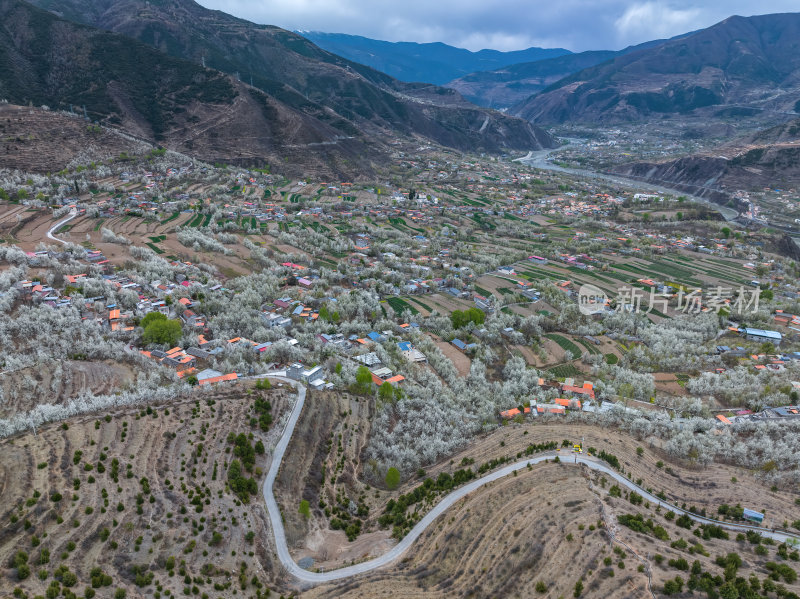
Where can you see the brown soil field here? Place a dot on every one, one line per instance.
(667, 382)
(448, 303)
(492, 283)
(35, 232)
(558, 523)
(682, 482)
(459, 359)
(422, 311)
(167, 497)
(705, 553)
(555, 353)
(503, 539)
(137, 230)
(77, 377)
(43, 141)
(323, 463)
(531, 357)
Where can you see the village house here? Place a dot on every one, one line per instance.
(410, 353)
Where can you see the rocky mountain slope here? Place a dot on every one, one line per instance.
(767, 158)
(753, 61)
(352, 99)
(435, 63)
(45, 60)
(508, 86)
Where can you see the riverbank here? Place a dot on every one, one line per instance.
(540, 160)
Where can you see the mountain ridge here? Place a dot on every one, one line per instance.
(434, 62)
(119, 82)
(741, 61)
(508, 86)
(353, 99)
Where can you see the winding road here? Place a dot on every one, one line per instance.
(446, 502)
(72, 214)
(540, 159)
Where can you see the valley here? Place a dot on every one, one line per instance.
(300, 314)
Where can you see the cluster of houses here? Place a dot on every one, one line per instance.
(574, 398)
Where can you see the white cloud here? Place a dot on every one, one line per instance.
(502, 24)
(653, 20)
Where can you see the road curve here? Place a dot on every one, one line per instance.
(447, 501)
(72, 214)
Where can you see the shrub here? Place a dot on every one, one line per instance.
(392, 478)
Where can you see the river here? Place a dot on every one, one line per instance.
(540, 160)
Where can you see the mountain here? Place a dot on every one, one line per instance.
(352, 99)
(45, 60)
(507, 86)
(752, 61)
(430, 63)
(767, 158)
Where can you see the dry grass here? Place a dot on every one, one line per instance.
(98, 378)
(682, 482)
(165, 448)
(326, 445)
(502, 540)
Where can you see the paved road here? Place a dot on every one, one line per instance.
(73, 213)
(539, 159)
(393, 554)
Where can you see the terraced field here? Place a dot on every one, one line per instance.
(141, 495)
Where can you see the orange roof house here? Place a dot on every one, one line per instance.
(219, 379)
(587, 391)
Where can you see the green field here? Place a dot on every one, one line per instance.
(400, 225)
(563, 371)
(590, 347)
(155, 248)
(421, 304)
(170, 218)
(400, 305)
(565, 344)
(478, 218)
(157, 238)
(196, 220)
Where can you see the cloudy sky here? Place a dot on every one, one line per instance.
(501, 24)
